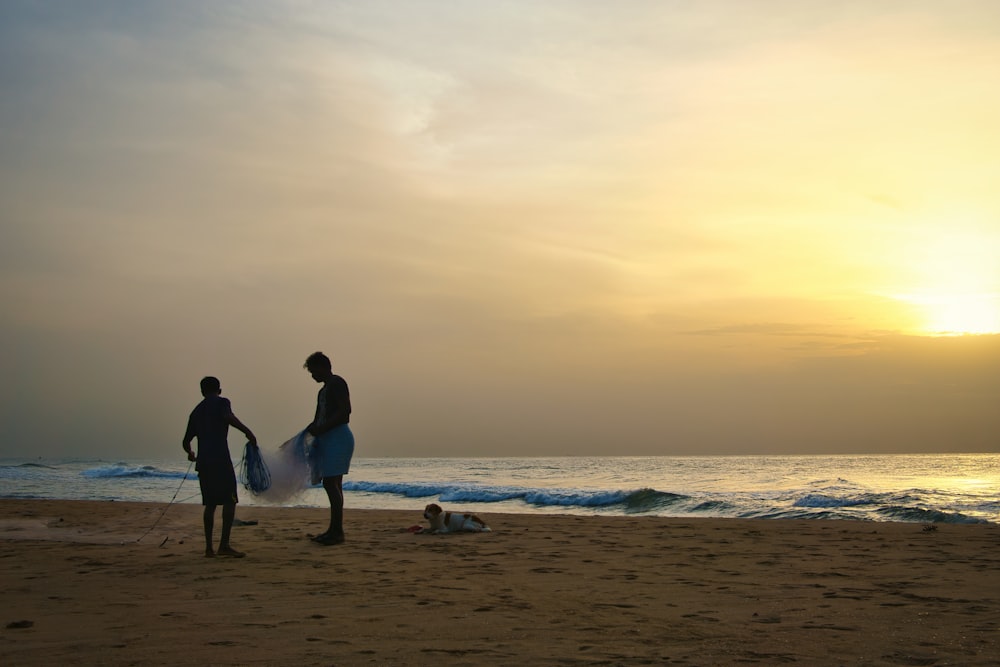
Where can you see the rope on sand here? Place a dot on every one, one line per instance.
(253, 474)
(253, 471)
(168, 505)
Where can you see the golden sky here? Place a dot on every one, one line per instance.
(518, 228)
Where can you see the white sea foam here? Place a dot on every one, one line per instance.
(954, 488)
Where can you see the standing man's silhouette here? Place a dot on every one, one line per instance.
(334, 444)
(209, 423)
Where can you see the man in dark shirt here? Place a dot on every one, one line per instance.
(334, 441)
(209, 422)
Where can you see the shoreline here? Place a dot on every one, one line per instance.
(114, 582)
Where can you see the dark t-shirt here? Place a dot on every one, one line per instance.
(333, 404)
(209, 422)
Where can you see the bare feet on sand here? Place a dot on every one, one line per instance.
(230, 552)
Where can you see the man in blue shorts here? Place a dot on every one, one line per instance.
(209, 422)
(334, 445)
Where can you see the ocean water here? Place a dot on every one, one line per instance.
(946, 488)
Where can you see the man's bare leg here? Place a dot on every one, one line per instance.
(334, 487)
(209, 520)
(225, 549)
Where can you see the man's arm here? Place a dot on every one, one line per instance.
(236, 423)
(338, 408)
(188, 437)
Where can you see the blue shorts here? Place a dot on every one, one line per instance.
(333, 451)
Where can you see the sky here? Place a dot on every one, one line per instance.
(518, 228)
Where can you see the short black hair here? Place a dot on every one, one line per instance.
(319, 361)
(210, 385)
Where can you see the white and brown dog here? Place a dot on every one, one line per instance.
(453, 522)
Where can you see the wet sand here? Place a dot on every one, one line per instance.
(88, 583)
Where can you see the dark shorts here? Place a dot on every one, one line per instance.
(218, 484)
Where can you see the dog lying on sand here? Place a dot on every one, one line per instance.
(453, 522)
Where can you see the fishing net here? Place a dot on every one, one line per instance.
(253, 471)
(290, 469)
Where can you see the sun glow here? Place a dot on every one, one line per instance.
(954, 276)
(958, 314)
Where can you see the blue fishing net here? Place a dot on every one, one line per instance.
(253, 471)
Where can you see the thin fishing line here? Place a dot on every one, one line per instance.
(170, 503)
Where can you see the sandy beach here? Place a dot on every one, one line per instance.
(87, 583)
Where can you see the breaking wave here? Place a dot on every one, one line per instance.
(635, 501)
(128, 471)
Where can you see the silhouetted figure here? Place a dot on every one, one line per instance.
(209, 423)
(334, 445)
